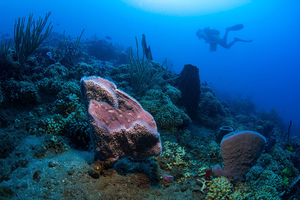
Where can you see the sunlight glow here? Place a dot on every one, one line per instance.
(186, 7)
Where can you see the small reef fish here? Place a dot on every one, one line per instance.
(289, 147)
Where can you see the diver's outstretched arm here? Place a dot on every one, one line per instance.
(200, 35)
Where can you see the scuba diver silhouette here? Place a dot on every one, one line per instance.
(212, 37)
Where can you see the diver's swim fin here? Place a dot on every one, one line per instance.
(235, 27)
(238, 39)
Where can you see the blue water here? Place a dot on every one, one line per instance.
(267, 69)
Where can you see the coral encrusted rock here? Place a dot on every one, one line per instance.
(239, 151)
(120, 127)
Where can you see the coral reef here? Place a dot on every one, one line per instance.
(44, 124)
(166, 114)
(22, 93)
(242, 106)
(211, 112)
(103, 50)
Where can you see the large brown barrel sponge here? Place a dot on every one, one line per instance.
(119, 126)
(239, 151)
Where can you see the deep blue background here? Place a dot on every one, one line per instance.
(268, 68)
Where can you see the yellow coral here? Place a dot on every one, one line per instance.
(53, 127)
(219, 188)
(175, 154)
(267, 192)
(241, 191)
(202, 170)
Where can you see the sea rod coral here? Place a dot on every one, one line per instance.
(120, 127)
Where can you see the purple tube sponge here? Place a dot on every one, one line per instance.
(239, 151)
(168, 178)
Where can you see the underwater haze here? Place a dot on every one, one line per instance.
(266, 69)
